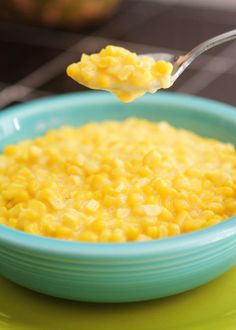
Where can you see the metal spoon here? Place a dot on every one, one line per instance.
(180, 63)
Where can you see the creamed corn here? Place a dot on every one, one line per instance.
(117, 70)
(117, 182)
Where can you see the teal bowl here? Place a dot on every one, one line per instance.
(117, 272)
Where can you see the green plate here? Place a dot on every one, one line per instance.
(210, 307)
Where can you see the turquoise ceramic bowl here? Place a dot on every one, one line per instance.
(128, 271)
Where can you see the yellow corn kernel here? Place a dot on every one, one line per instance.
(103, 82)
(117, 236)
(152, 159)
(173, 229)
(161, 187)
(92, 206)
(12, 222)
(38, 206)
(3, 211)
(105, 236)
(123, 212)
(88, 236)
(192, 224)
(14, 191)
(29, 215)
(125, 72)
(182, 217)
(113, 201)
(132, 232)
(105, 62)
(207, 214)
(48, 225)
(151, 210)
(181, 204)
(231, 206)
(32, 228)
(143, 238)
(63, 232)
(99, 181)
(153, 232)
(227, 191)
(10, 150)
(163, 231)
(216, 207)
(51, 197)
(162, 68)
(98, 225)
(144, 172)
(135, 199)
(71, 218)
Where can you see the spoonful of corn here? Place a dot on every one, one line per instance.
(129, 76)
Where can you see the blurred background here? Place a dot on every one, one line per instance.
(39, 38)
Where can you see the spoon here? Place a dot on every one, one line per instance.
(180, 63)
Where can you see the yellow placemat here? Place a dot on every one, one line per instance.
(210, 307)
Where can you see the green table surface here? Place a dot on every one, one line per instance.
(210, 307)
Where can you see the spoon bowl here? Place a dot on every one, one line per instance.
(180, 63)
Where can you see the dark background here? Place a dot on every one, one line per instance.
(33, 58)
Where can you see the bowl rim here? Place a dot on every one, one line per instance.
(53, 103)
(172, 245)
(19, 239)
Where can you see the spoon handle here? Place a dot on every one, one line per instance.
(183, 61)
(210, 43)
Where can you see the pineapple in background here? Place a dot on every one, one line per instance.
(61, 13)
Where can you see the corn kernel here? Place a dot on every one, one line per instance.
(153, 231)
(63, 232)
(132, 232)
(151, 210)
(92, 206)
(117, 236)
